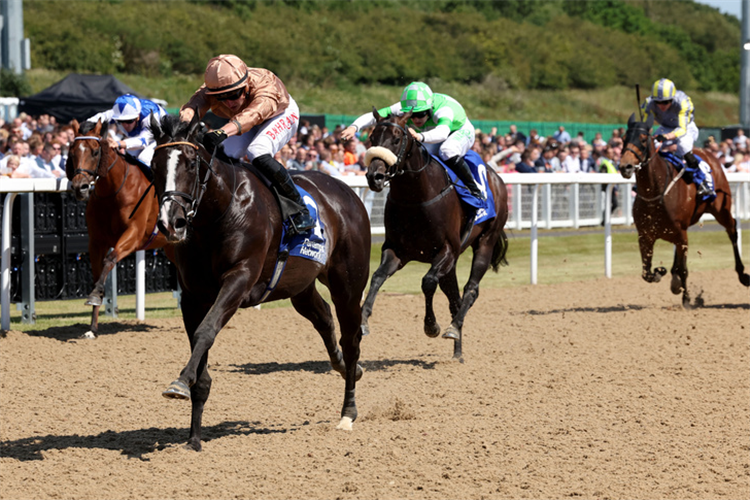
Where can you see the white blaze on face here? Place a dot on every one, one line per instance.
(171, 184)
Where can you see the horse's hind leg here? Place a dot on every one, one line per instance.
(443, 265)
(680, 272)
(480, 263)
(449, 286)
(311, 306)
(389, 264)
(725, 218)
(646, 244)
(347, 280)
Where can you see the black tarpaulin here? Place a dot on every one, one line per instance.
(76, 96)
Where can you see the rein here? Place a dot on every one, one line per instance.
(95, 174)
(639, 156)
(396, 168)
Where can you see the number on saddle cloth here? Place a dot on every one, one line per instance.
(486, 210)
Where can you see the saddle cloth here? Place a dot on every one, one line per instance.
(311, 245)
(484, 211)
(699, 175)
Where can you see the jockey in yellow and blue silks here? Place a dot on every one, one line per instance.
(131, 114)
(438, 121)
(673, 110)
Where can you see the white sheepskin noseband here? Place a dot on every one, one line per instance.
(381, 153)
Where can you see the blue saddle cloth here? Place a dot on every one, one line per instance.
(486, 210)
(698, 174)
(311, 245)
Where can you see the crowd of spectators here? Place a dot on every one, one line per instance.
(37, 147)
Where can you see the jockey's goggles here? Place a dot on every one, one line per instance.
(668, 101)
(230, 96)
(127, 122)
(421, 114)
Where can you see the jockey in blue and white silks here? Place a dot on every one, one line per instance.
(132, 116)
(673, 110)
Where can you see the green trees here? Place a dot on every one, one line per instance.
(551, 44)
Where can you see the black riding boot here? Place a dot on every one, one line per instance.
(704, 189)
(462, 170)
(278, 175)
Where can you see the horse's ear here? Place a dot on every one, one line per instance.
(76, 126)
(631, 120)
(376, 114)
(195, 124)
(650, 122)
(97, 130)
(155, 127)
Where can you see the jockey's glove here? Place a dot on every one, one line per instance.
(212, 139)
(660, 138)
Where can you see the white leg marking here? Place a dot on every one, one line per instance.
(345, 424)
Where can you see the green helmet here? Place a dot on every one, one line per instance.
(663, 90)
(417, 97)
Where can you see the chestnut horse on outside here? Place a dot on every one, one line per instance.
(424, 221)
(666, 206)
(226, 226)
(113, 188)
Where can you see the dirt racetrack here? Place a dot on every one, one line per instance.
(604, 389)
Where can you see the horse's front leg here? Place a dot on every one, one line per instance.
(389, 264)
(194, 382)
(101, 266)
(646, 244)
(442, 265)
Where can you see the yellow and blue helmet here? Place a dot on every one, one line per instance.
(664, 90)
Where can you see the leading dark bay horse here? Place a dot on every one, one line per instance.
(666, 205)
(227, 230)
(424, 222)
(113, 187)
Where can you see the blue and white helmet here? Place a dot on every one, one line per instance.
(127, 107)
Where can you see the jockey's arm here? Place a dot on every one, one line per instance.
(684, 117)
(368, 120)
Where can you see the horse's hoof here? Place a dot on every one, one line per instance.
(432, 331)
(661, 271)
(451, 333)
(93, 300)
(177, 390)
(745, 279)
(345, 424)
(88, 335)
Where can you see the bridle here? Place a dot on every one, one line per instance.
(644, 159)
(94, 174)
(189, 202)
(396, 168)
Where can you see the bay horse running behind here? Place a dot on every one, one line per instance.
(113, 187)
(227, 230)
(666, 205)
(425, 221)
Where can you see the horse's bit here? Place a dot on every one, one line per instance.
(199, 187)
(95, 174)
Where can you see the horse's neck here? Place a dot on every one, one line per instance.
(424, 179)
(112, 172)
(653, 177)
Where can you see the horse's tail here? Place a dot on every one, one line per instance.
(498, 253)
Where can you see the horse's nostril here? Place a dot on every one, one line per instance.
(180, 224)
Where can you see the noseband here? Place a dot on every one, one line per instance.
(94, 174)
(640, 155)
(189, 202)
